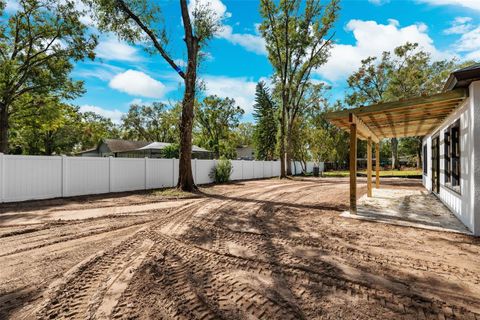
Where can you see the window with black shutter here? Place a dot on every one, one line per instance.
(452, 156)
(447, 149)
(425, 160)
(455, 154)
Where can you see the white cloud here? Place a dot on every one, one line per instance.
(469, 44)
(459, 25)
(138, 84)
(469, 4)
(101, 71)
(379, 2)
(111, 48)
(469, 41)
(115, 114)
(241, 89)
(12, 6)
(251, 42)
(217, 6)
(180, 62)
(345, 58)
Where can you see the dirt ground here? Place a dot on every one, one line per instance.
(265, 249)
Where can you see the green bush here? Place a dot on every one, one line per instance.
(222, 171)
(171, 151)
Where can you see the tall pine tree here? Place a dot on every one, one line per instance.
(265, 133)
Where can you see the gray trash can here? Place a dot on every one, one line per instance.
(316, 171)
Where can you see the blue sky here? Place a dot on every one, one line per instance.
(235, 60)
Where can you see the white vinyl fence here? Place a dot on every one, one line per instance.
(44, 177)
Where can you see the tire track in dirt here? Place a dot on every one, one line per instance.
(400, 304)
(103, 276)
(227, 257)
(226, 289)
(82, 292)
(179, 266)
(325, 278)
(64, 233)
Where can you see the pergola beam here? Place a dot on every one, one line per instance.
(454, 96)
(369, 167)
(353, 168)
(377, 165)
(362, 129)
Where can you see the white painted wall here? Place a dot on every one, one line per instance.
(466, 204)
(40, 177)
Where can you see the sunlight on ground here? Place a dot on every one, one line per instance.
(383, 173)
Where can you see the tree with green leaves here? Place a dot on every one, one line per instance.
(265, 113)
(413, 73)
(369, 85)
(50, 129)
(38, 44)
(140, 21)
(406, 72)
(298, 41)
(243, 134)
(155, 122)
(300, 145)
(216, 117)
(96, 128)
(172, 151)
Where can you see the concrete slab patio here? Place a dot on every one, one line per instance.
(407, 207)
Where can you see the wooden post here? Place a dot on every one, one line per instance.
(369, 167)
(377, 165)
(353, 168)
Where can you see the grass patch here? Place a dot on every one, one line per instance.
(383, 173)
(170, 193)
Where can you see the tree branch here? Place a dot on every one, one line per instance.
(151, 35)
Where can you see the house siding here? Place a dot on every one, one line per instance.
(466, 204)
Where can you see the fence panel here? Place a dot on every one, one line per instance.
(86, 176)
(248, 170)
(309, 167)
(41, 177)
(160, 173)
(321, 166)
(203, 170)
(276, 168)
(236, 170)
(267, 169)
(127, 174)
(258, 169)
(31, 177)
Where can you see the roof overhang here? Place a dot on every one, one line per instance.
(404, 118)
(463, 77)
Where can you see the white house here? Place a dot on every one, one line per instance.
(452, 152)
(450, 124)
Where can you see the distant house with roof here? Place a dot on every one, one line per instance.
(245, 152)
(119, 148)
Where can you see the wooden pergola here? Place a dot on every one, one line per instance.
(404, 118)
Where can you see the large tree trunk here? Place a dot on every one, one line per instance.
(395, 159)
(48, 144)
(185, 176)
(282, 142)
(3, 128)
(419, 153)
(289, 159)
(289, 151)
